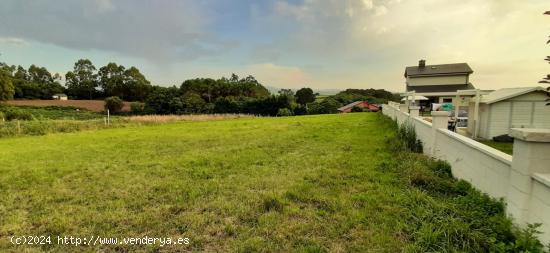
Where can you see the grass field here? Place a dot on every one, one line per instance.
(506, 147)
(327, 183)
(92, 105)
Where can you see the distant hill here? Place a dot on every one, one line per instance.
(327, 92)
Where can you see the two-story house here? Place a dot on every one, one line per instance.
(439, 83)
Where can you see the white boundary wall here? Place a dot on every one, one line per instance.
(522, 180)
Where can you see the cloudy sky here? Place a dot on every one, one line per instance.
(285, 43)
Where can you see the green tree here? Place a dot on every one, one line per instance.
(193, 103)
(82, 81)
(113, 104)
(137, 107)
(136, 86)
(21, 73)
(283, 112)
(330, 105)
(6, 86)
(111, 80)
(305, 96)
(39, 75)
(286, 92)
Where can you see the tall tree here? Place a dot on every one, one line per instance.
(39, 75)
(286, 92)
(82, 81)
(136, 86)
(305, 96)
(6, 86)
(111, 80)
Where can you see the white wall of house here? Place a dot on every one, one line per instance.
(437, 80)
(525, 111)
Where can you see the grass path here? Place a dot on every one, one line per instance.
(309, 184)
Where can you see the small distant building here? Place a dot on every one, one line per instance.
(361, 104)
(439, 83)
(507, 108)
(60, 97)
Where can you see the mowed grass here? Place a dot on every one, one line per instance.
(325, 183)
(506, 147)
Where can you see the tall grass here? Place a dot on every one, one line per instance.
(189, 117)
(42, 127)
(449, 214)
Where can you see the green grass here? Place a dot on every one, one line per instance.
(327, 183)
(55, 112)
(506, 147)
(320, 98)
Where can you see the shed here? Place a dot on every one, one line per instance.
(60, 97)
(507, 108)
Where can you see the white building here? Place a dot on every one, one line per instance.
(60, 97)
(507, 108)
(439, 83)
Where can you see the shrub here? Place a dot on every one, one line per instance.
(300, 110)
(284, 112)
(16, 114)
(356, 109)
(113, 104)
(137, 107)
(407, 137)
(2, 116)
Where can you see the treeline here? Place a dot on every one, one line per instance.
(83, 82)
(194, 96)
(32, 83)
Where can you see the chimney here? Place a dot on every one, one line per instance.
(422, 63)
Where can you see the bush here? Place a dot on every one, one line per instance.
(407, 137)
(137, 107)
(356, 109)
(284, 112)
(113, 104)
(2, 116)
(16, 114)
(300, 110)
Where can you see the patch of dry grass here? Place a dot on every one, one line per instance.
(192, 117)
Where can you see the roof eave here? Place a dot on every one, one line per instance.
(514, 95)
(441, 74)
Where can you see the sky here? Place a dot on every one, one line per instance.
(322, 44)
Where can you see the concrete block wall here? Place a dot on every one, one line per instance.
(522, 180)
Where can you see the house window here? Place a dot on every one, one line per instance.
(447, 100)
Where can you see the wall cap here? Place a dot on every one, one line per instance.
(542, 178)
(440, 114)
(531, 134)
(414, 107)
(492, 152)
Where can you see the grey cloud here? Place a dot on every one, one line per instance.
(155, 30)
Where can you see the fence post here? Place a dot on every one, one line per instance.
(440, 119)
(531, 155)
(414, 111)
